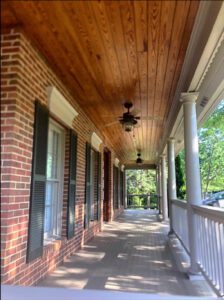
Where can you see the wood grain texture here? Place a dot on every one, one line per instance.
(107, 52)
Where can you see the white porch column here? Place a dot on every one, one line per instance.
(164, 188)
(172, 189)
(158, 188)
(193, 181)
(125, 190)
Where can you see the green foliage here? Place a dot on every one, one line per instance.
(180, 180)
(141, 182)
(211, 153)
(211, 142)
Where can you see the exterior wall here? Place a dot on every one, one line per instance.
(25, 76)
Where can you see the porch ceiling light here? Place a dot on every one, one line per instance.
(139, 160)
(128, 127)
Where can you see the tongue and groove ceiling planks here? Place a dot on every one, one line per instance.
(107, 52)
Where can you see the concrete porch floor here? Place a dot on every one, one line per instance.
(131, 254)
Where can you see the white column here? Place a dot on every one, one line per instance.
(164, 188)
(157, 186)
(172, 189)
(160, 186)
(125, 190)
(193, 181)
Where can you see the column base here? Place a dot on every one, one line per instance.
(194, 276)
(171, 233)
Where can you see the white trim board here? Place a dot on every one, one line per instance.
(96, 141)
(60, 107)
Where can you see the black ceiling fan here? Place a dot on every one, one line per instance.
(129, 119)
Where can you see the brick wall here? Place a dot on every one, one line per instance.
(25, 76)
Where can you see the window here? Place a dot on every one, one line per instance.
(54, 182)
(93, 185)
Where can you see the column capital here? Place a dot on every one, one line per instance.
(190, 97)
(171, 140)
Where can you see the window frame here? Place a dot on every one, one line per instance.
(93, 185)
(56, 229)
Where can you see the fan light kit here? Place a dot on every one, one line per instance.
(139, 160)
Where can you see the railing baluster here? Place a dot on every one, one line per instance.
(210, 237)
(221, 233)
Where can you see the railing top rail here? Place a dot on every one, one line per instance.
(179, 203)
(214, 213)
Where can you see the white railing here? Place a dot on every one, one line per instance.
(210, 238)
(180, 223)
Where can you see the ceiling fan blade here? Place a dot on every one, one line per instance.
(137, 126)
(135, 111)
(109, 116)
(111, 124)
(151, 118)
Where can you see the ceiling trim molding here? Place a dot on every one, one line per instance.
(195, 66)
(211, 49)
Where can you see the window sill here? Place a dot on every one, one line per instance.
(48, 241)
(93, 223)
(52, 244)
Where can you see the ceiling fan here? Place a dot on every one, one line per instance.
(129, 119)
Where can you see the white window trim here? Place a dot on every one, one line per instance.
(116, 162)
(96, 141)
(61, 157)
(60, 107)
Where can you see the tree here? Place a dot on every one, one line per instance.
(180, 182)
(211, 142)
(141, 182)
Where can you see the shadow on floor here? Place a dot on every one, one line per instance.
(130, 254)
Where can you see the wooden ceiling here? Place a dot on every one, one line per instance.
(107, 52)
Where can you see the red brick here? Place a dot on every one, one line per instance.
(21, 61)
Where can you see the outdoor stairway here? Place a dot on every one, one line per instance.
(131, 254)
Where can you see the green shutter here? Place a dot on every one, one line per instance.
(87, 189)
(72, 185)
(118, 189)
(99, 186)
(38, 183)
(115, 187)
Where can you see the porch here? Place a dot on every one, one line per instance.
(89, 90)
(131, 254)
